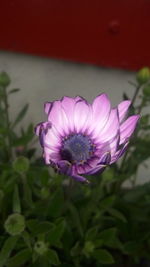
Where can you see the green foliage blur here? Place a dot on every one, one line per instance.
(50, 220)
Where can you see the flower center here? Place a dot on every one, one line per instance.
(77, 149)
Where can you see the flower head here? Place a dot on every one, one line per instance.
(80, 138)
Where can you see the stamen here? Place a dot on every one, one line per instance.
(77, 149)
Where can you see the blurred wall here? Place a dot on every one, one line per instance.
(42, 79)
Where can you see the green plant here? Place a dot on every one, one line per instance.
(47, 220)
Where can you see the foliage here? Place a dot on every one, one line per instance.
(49, 220)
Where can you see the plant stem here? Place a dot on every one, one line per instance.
(70, 187)
(135, 94)
(6, 106)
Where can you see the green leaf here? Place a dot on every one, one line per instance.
(108, 202)
(21, 115)
(98, 243)
(76, 218)
(52, 257)
(16, 201)
(132, 247)
(117, 214)
(39, 228)
(56, 233)
(103, 256)
(27, 240)
(31, 224)
(107, 235)
(20, 258)
(109, 238)
(21, 164)
(146, 90)
(40, 262)
(76, 249)
(43, 228)
(14, 90)
(7, 248)
(56, 204)
(91, 233)
(108, 175)
(89, 247)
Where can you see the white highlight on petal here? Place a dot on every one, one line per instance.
(81, 114)
(68, 104)
(111, 128)
(123, 108)
(101, 109)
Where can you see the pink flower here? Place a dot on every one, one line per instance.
(79, 138)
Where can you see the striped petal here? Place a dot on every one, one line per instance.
(123, 108)
(81, 115)
(101, 110)
(128, 127)
(111, 128)
(58, 118)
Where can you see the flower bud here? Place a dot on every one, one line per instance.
(21, 164)
(143, 75)
(4, 79)
(40, 247)
(15, 224)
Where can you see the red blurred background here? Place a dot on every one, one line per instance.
(112, 33)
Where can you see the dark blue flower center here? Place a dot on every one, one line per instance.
(77, 149)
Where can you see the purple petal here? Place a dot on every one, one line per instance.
(105, 159)
(52, 139)
(127, 128)
(50, 155)
(113, 145)
(58, 118)
(81, 115)
(101, 109)
(82, 169)
(42, 129)
(64, 167)
(68, 104)
(47, 107)
(111, 128)
(80, 178)
(123, 108)
(119, 153)
(38, 128)
(99, 168)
